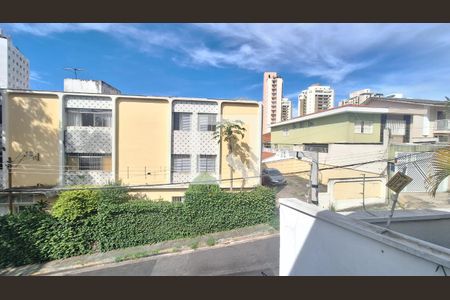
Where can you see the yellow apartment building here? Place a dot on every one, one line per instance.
(155, 145)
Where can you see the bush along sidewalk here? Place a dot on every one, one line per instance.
(111, 219)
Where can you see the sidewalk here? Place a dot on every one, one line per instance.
(209, 240)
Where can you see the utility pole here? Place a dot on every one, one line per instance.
(314, 178)
(10, 200)
(314, 174)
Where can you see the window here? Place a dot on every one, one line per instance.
(207, 122)
(177, 199)
(182, 121)
(76, 161)
(86, 117)
(363, 127)
(397, 127)
(316, 147)
(181, 163)
(207, 163)
(285, 131)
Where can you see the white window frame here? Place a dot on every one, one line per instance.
(185, 165)
(363, 127)
(212, 161)
(180, 122)
(211, 121)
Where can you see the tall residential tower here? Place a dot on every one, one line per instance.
(314, 99)
(14, 66)
(272, 98)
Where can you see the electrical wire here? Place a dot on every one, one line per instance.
(142, 186)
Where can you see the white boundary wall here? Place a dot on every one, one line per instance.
(320, 242)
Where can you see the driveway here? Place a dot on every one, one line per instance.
(296, 187)
(258, 257)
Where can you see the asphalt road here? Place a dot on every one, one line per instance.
(255, 258)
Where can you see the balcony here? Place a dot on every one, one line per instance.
(80, 139)
(442, 125)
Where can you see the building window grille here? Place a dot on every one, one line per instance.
(397, 127)
(207, 122)
(177, 199)
(92, 118)
(182, 121)
(99, 162)
(181, 163)
(207, 163)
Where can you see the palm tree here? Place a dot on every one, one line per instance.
(441, 169)
(229, 132)
(440, 163)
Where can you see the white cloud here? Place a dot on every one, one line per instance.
(329, 52)
(37, 77)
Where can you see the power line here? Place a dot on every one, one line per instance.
(207, 181)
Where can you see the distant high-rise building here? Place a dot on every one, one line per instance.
(14, 66)
(272, 97)
(357, 97)
(286, 109)
(316, 98)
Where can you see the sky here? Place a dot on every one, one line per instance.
(228, 60)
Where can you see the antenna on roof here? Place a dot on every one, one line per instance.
(74, 70)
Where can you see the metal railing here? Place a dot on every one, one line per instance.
(443, 124)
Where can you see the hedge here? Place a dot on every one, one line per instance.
(35, 236)
(206, 209)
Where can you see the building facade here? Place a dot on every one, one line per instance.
(314, 99)
(286, 109)
(89, 86)
(14, 66)
(358, 97)
(155, 145)
(272, 98)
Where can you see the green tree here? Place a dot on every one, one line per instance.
(229, 132)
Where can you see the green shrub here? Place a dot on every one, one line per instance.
(73, 205)
(206, 209)
(34, 236)
(115, 194)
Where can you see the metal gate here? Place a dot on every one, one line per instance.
(418, 167)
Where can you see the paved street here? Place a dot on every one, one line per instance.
(255, 258)
(296, 187)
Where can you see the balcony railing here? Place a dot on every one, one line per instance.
(443, 124)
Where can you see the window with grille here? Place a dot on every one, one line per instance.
(182, 121)
(89, 117)
(207, 122)
(397, 127)
(181, 163)
(207, 163)
(75, 162)
(363, 127)
(177, 199)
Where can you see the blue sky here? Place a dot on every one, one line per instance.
(228, 60)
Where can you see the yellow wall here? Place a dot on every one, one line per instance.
(301, 168)
(33, 125)
(142, 141)
(353, 190)
(249, 114)
(160, 194)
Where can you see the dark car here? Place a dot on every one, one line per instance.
(272, 177)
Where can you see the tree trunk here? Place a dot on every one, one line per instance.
(230, 151)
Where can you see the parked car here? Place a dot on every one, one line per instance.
(271, 177)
